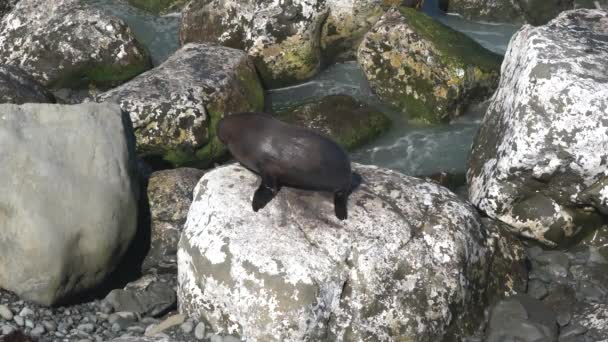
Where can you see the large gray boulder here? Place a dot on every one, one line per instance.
(175, 106)
(68, 197)
(281, 36)
(65, 43)
(541, 152)
(411, 262)
(18, 87)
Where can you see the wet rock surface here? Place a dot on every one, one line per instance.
(538, 162)
(293, 271)
(65, 43)
(18, 87)
(340, 117)
(424, 68)
(175, 106)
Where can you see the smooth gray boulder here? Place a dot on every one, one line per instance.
(543, 145)
(68, 197)
(66, 43)
(175, 106)
(411, 263)
(18, 87)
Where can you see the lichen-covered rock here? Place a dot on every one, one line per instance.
(425, 68)
(6, 6)
(175, 106)
(411, 262)
(281, 36)
(594, 318)
(542, 145)
(65, 43)
(169, 197)
(18, 87)
(68, 197)
(340, 117)
(158, 6)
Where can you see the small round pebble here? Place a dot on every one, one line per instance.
(19, 320)
(38, 330)
(7, 329)
(116, 328)
(199, 331)
(187, 327)
(49, 325)
(86, 327)
(6, 313)
(29, 323)
(26, 312)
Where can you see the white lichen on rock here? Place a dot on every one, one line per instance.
(411, 262)
(63, 41)
(172, 106)
(544, 138)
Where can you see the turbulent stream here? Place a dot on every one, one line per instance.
(411, 149)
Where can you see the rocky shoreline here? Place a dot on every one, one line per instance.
(123, 218)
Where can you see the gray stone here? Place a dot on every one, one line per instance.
(155, 338)
(6, 329)
(537, 289)
(166, 324)
(170, 196)
(49, 326)
(38, 330)
(521, 318)
(175, 106)
(19, 320)
(5, 312)
(29, 323)
(306, 274)
(18, 87)
(85, 206)
(199, 331)
(87, 327)
(102, 49)
(563, 318)
(547, 112)
(150, 298)
(187, 327)
(26, 312)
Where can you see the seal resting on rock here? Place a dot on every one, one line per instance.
(287, 155)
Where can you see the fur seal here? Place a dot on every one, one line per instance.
(286, 155)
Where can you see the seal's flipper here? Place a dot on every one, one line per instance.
(265, 193)
(340, 201)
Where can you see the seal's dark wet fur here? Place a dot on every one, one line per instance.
(288, 155)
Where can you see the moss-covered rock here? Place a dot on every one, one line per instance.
(341, 118)
(282, 37)
(175, 107)
(425, 68)
(65, 43)
(159, 6)
(538, 162)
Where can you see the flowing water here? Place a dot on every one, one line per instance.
(411, 149)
